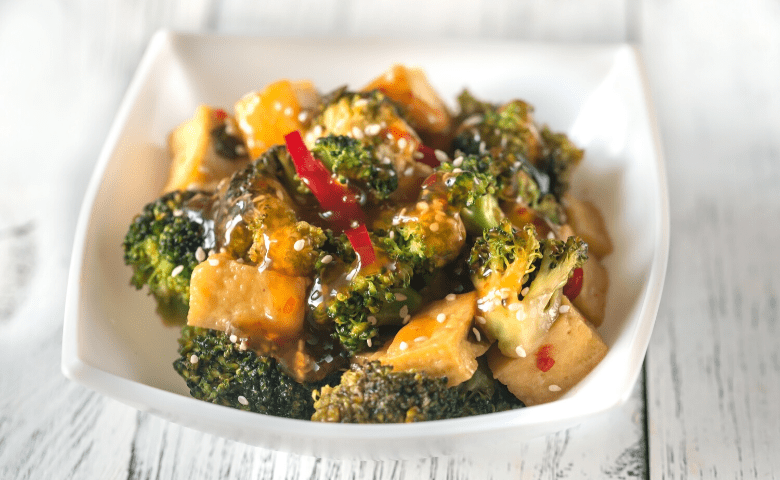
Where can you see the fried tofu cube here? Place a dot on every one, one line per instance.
(226, 294)
(195, 161)
(438, 340)
(410, 88)
(567, 353)
(265, 117)
(588, 223)
(592, 300)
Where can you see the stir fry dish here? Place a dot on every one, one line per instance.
(371, 256)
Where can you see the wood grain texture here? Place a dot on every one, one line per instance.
(713, 367)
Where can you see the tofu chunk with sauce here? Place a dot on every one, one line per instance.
(438, 340)
(567, 353)
(588, 223)
(196, 160)
(231, 296)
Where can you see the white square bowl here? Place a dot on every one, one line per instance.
(114, 342)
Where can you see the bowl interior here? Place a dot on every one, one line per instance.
(115, 343)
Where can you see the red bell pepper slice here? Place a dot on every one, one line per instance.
(361, 242)
(333, 197)
(573, 287)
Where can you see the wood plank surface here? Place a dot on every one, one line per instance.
(713, 367)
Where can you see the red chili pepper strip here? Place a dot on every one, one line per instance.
(544, 360)
(332, 196)
(574, 286)
(220, 114)
(361, 242)
(428, 156)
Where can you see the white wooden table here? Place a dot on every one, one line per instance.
(707, 405)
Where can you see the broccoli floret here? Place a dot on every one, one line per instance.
(560, 158)
(519, 280)
(427, 236)
(356, 165)
(374, 393)
(256, 213)
(358, 300)
(471, 192)
(218, 371)
(161, 246)
(485, 127)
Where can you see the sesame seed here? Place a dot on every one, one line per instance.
(421, 338)
(441, 317)
(402, 143)
(229, 128)
(514, 307)
(418, 155)
(404, 311)
(357, 132)
(233, 339)
(409, 171)
(369, 343)
(278, 106)
(372, 320)
(407, 318)
(243, 346)
(298, 246)
(390, 136)
(327, 259)
(329, 358)
(524, 291)
(520, 351)
(213, 262)
(403, 346)
(386, 161)
(280, 195)
(177, 213)
(554, 388)
(422, 206)
(288, 111)
(482, 148)
(177, 270)
(480, 320)
(431, 118)
(391, 234)
(457, 162)
(450, 297)
(194, 359)
(563, 308)
(242, 400)
(239, 260)
(477, 334)
(361, 102)
(457, 170)
(212, 252)
(317, 131)
(303, 116)
(551, 235)
(440, 155)
(434, 227)
(240, 150)
(372, 129)
(400, 297)
(520, 315)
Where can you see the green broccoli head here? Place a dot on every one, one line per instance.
(427, 235)
(519, 279)
(356, 164)
(255, 212)
(162, 246)
(560, 158)
(374, 393)
(220, 372)
(485, 127)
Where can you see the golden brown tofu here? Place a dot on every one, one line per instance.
(566, 354)
(226, 294)
(410, 88)
(592, 300)
(437, 341)
(195, 162)
(265, 117)
(587, 222)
